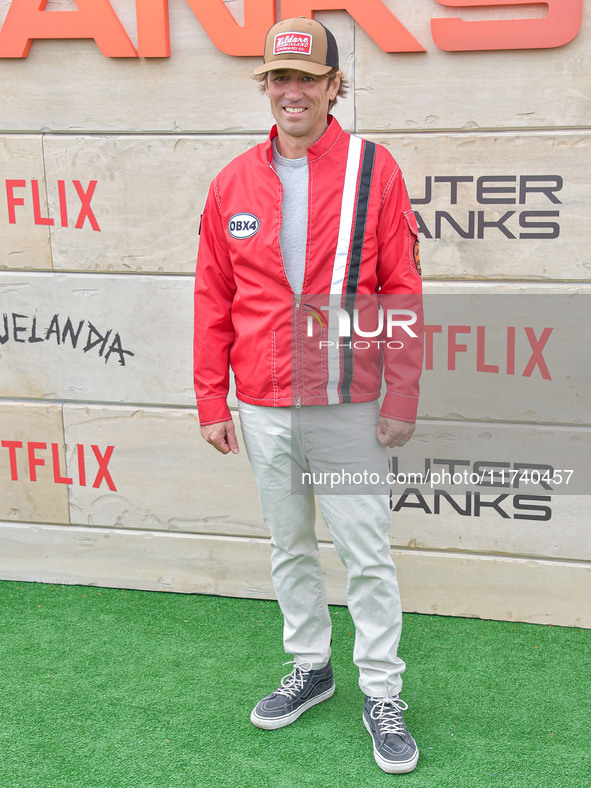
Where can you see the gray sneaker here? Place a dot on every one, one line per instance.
(394, 748)
(300, 690)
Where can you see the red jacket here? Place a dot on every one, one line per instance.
(362, 241)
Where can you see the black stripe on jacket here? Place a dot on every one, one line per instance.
(361, 207)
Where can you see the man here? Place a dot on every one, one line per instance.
(314, 215)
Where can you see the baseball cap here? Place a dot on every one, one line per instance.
(302, 44)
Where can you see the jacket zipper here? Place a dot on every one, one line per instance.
(298, 302)
(298, 298)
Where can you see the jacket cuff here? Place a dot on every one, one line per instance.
(400, 407)
(213, 410)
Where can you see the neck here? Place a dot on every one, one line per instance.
(295, 147)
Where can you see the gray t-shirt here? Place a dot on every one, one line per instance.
(293, 174)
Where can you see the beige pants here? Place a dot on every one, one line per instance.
(284, 444)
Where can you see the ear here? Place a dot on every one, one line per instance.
(335, 85)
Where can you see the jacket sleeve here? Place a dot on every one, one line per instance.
(399, 277)
(214, 332)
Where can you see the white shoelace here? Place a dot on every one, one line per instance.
(294, 681)
(388, 714)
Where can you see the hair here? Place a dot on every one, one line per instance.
(343, 87)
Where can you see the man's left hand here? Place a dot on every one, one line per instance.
(394, 433)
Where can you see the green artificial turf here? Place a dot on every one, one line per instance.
(103, 688)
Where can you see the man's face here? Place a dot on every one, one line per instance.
(299, 103)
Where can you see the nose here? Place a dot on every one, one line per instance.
(293, 90)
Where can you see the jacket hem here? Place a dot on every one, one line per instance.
(313, 400)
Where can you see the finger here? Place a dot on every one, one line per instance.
(381, 436)
(232, 440)
(216, 437)
(221, 444)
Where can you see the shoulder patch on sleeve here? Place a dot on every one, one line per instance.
(417, 257)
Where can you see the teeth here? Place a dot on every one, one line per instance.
(294, 109)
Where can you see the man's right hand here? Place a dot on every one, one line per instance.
(222, 436)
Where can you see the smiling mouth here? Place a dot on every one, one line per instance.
(295, 110)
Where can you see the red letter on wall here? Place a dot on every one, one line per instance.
(153, 29)
(560, 26)
(227, 34)
(13, 201)
(373, 16)
(26, 20)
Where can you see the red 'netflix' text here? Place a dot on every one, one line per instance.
(32, 461)
(21, 193)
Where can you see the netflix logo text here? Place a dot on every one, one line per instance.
(443, 343)
(35, 459)
(23, 194)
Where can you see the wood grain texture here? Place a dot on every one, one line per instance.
(128, 339)
(28, 490)
(535, 591)
(197, 89)
(482, 199)
(111, 159)
(23, 242)
(147, 202)
(517, 89)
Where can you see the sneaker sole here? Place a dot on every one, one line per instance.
(273, 723)
(392, 767)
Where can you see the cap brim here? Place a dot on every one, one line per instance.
(318, 69)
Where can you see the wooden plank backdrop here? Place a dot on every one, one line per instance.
(106, 162)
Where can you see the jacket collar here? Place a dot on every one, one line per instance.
(319, 148)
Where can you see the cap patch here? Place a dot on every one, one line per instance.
(296, 43)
